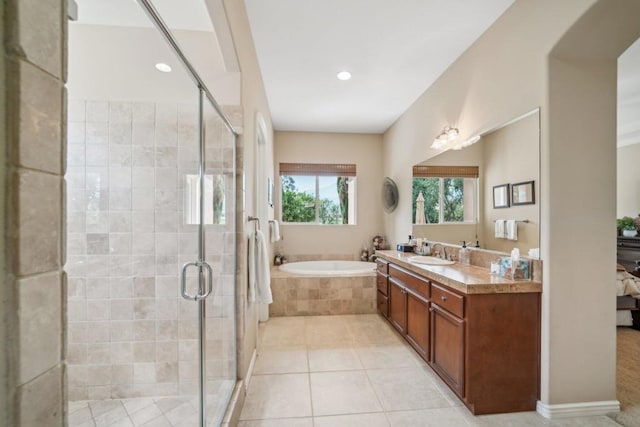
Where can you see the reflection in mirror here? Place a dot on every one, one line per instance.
(214, 206)
(503, 157)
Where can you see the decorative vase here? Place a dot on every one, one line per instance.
(629, 233)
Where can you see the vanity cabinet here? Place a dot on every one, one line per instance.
(397, 306)
(447, 349)
(409, 308)
(484, 345)
(382, 283)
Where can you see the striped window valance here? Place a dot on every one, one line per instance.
(322, 169)
(445, 172)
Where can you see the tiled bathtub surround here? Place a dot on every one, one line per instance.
(306, 295)
(130, 333)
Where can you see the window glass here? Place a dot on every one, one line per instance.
(446, 200)
(298, 198)
(334, 203)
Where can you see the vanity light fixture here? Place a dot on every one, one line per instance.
(343, 75)
(448, 135)
(161, 66)
(466, 143)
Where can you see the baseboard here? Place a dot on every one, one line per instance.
(580, 409)
(232, 414)
(252, 364)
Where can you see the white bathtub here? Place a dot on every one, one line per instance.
(329, 268)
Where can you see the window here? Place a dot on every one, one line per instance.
(449, 194)
(318, 193)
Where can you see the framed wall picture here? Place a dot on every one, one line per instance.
(501, 196)
(523, 193)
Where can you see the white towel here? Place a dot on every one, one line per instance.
(274, 227)
(499, 229)
(512, 230)
(259, 274)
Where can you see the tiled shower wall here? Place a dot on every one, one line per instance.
(130, 332)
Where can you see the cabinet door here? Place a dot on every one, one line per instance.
(383, 304)
(382, 283)
(418, 324)
(447, 347)
(397, 306)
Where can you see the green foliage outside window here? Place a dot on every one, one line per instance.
(300, 206)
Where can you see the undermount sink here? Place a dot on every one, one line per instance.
(430, 260)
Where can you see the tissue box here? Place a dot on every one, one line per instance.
(522, 269)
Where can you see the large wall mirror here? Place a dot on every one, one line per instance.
(453, 192)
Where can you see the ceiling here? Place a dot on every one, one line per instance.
(113, 49)
(394, 49)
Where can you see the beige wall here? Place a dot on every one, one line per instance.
(254, 100)
(628, 181)
(511, 155)
(363, 150)
(34, 283)
(505, 73)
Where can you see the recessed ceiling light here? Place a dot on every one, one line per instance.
(343, 75)
(161, 66)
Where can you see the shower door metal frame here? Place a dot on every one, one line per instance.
(204, 269)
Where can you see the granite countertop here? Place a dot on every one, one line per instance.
(467, 279)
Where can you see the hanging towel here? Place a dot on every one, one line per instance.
(274, 227)
(512, 229)
(259, 274)
(499, 229)
(251, 264)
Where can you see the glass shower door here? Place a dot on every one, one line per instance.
(207, 256)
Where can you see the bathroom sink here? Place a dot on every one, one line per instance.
(430, 260)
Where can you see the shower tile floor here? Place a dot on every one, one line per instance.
(179, 411)
(355, 370)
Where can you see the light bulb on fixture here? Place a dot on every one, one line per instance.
(448, 134)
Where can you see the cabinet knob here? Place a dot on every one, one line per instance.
(431, 309)
(443, 298)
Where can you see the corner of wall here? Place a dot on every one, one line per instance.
(33, 70)
(4, 282)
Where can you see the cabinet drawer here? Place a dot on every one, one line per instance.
(448, 300)
(382, 265)
(383, 305)
(383, 283)
(410, 280)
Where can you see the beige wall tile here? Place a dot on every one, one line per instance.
(36, 123)
(36, 229)
(40, 401)
(40, 317)
(38, 33)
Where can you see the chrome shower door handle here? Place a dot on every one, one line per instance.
(202, 293)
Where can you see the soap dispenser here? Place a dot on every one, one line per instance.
(464, 254)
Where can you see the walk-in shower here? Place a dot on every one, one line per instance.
(151, 256)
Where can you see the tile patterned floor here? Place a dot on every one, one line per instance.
(332, 371)
(147, 412)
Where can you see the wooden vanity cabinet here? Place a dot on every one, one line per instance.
(409, 308)
(382, 282)
(485, 346)
(397, 306)
(418, 324)
(447, 348)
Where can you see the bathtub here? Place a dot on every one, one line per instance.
(329, 268)
(312, 288)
